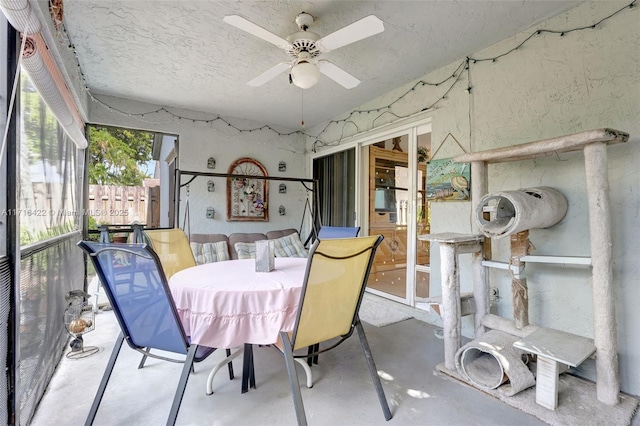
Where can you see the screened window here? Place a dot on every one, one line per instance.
(48, 181)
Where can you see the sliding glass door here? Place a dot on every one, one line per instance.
(388, 205)
(379, 183)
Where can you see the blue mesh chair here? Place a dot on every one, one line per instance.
(327, 232)
(137, 289)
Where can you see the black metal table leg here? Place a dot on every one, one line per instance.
(248, 373)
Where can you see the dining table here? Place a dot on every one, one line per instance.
(229, 304)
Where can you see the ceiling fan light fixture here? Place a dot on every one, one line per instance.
(305, 46)
(305, 75)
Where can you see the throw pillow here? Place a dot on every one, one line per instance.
(290, 246)
(210, 252)
(246, 250)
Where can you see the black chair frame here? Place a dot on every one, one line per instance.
(194, 353)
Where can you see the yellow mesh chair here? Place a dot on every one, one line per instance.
(337, 272)
(173, 249)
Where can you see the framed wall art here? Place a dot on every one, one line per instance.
(247, 195)
(448, 180)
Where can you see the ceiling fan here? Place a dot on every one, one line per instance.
(305, 47)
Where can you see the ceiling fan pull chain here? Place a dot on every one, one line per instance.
(302, 107)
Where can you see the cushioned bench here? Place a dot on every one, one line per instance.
(205, 249)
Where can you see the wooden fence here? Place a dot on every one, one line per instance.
(124, 205)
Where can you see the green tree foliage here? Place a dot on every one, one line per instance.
(116, 155)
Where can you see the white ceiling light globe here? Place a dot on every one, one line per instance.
(305, 75)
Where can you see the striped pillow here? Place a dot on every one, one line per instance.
(290, 246)
(210, 252)
(246, 250)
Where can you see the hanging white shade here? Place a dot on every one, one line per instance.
(21, 16)
(39, 65)
(34, 64)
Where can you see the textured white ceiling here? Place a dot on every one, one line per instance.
(181, 54)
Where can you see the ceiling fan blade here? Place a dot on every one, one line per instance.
(337, 74)
(269, 74)
(253, 29)
(365, 27)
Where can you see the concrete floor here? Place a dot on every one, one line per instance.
(406, 354)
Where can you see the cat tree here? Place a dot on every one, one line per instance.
(594, 146)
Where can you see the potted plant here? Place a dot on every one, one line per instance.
(259, 205)
(423, 154)
(238, 183)
(120, 237)
(249, 192)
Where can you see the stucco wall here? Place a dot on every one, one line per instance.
(200, 140)
(552, 86)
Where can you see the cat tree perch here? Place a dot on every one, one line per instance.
(594, 144)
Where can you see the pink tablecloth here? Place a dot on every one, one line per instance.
(226, 304)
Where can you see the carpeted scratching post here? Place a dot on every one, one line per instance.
(521, 210)
(490, 361)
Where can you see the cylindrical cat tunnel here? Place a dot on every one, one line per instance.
(482, 368)
(511, 212)
(491, 360)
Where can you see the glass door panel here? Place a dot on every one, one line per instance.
(422, 284)
(423, 218)
(388, 206)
